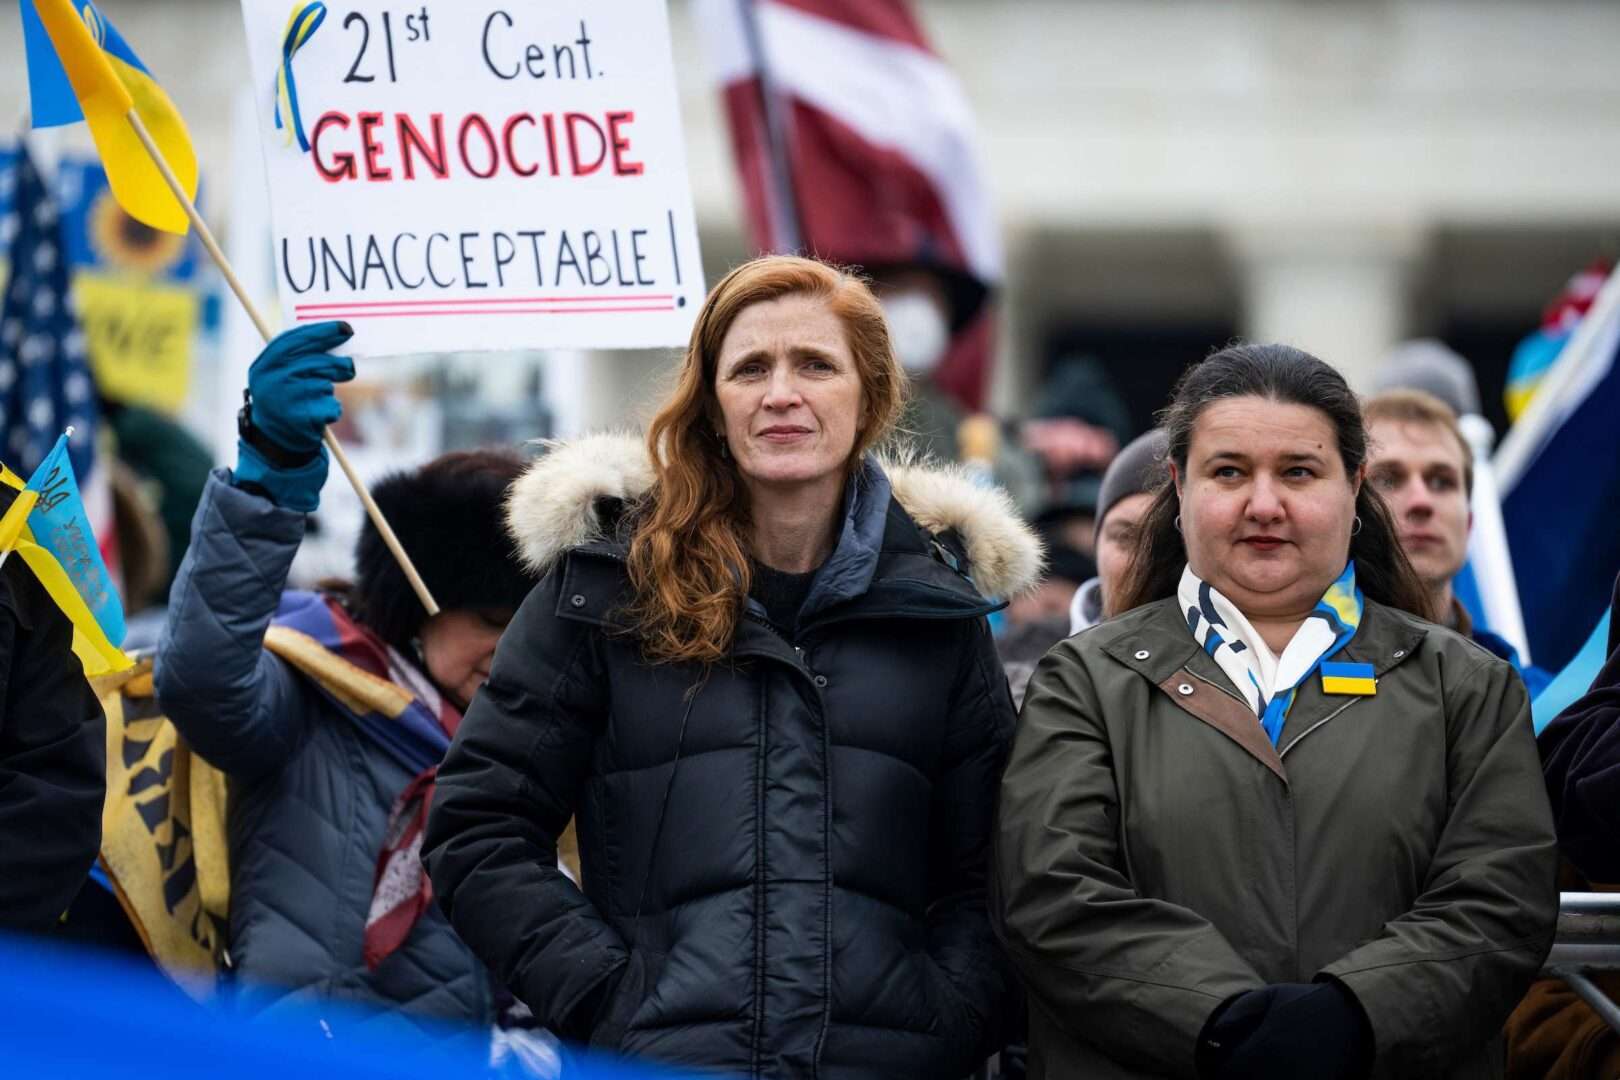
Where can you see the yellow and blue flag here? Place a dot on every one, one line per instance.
(1344, 677)
(16, 516)
(47, 526)
(81, 68)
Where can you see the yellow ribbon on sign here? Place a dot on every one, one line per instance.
(301, 26)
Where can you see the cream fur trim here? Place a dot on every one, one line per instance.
(1004, 554)
(552, 506)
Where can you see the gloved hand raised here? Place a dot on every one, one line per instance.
(290, 385)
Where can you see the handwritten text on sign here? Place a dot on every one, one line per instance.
(477, 175)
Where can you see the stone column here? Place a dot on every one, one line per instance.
(1340, 292)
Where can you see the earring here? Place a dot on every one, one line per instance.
(1355, 526)
(725, 447)
(1178, 522)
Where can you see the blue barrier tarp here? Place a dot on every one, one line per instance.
(71, 1013)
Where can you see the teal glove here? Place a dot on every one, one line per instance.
(290, 386)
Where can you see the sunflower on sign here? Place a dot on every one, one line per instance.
(126, 244)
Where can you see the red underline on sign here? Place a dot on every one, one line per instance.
(351, 305)
(478, 311)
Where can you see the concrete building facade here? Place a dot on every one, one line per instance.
(1168, 174)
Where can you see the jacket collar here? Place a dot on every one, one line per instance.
(885, 566)
(917, 539)
(1154, 642)
(850, 568)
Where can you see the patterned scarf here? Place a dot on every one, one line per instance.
(1270, 682)
(393, 704)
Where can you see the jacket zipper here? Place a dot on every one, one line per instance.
(798, 650)
(826, 753)
(1217, 686)
(826, 851)
(759, 893)
(1301, 738)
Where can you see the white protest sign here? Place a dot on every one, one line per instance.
(476, 174)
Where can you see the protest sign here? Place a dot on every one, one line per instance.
(478, 174)
(139, 337)
(139, 292)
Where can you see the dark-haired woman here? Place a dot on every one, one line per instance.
(328, 713)
(1270, 823)
(758, 671)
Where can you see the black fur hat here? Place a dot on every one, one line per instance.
(450, 517)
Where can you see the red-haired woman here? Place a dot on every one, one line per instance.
(759, 673)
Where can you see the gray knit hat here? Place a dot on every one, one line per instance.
(1430, 365)
(1136, 469)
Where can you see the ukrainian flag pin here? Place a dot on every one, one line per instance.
(1341, 678)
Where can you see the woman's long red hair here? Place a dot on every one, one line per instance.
(689, 566)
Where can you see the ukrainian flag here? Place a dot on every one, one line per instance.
(1347, 678)
(80, 68)
(47, 526)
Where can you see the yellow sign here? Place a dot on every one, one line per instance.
(139, 336)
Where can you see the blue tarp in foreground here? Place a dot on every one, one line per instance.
(69, 1013)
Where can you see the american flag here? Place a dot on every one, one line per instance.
(45, 382)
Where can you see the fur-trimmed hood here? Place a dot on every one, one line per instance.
(553, 507)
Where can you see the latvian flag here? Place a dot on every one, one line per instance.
(879, 151)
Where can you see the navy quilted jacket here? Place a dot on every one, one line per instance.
(784, 864)
(310, 794)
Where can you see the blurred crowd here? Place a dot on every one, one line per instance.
(524, 809)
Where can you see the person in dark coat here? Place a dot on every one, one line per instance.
(1580, 750)
(1270, 822)
(329, 712)
(758, 671)
(1554, 1034)
(53, 755)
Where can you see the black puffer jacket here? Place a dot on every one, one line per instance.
(784, 864)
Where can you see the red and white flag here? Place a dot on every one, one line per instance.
(876, 141)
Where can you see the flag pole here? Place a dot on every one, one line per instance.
(786, 221)
(206, 235)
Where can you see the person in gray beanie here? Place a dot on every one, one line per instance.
(1127, 488)
(1433, 367)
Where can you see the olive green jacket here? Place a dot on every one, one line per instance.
(1155, 854)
